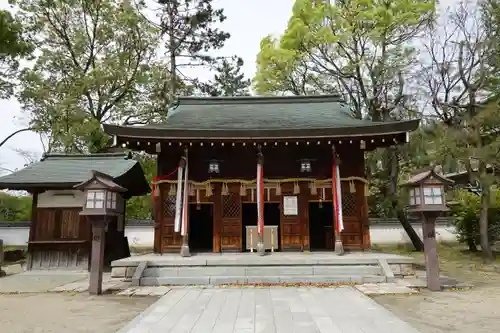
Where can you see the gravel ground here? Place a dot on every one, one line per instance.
(62, 313)
(475, 310)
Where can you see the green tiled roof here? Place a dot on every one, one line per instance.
(260, 113)
(252, 116)
(56, 170)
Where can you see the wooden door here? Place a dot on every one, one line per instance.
(170, 240)
(352, 236)
(231, 227)
(291, 229)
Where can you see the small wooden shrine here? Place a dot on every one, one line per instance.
(59, 237)
(234, 169)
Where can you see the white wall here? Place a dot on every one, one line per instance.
(396, 235)
(60, 199)
(143, 236)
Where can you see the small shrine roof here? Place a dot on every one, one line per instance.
(254, 117)
(63, 171)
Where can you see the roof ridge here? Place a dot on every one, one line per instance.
(194, 100)
(125, 155)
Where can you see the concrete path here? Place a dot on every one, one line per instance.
(266, 310)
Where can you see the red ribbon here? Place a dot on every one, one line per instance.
(158, 178)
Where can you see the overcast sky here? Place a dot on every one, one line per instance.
(248, 21)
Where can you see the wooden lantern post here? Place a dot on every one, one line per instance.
(427, 199)
(102, 199)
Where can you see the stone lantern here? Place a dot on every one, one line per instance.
(103, 198)
(426, 193)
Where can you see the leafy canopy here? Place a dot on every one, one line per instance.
(94, 65)
(13, 46)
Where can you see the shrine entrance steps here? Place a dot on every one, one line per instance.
(275, 268)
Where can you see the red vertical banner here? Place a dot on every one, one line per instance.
(337, 195)
(260, 199)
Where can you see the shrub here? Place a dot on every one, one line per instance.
(466, 212)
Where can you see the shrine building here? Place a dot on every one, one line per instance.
(219, 145)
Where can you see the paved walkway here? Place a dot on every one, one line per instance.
(266, 310)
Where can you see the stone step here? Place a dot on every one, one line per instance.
(219, 280)
(263, 271)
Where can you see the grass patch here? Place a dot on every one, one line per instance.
(455, 261)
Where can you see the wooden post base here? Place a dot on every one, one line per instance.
(97, 261)
(430, 251)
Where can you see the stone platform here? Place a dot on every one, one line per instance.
(275, 268)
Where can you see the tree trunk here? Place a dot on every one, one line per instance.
(412, 234)
(393, 166)
(487, 254)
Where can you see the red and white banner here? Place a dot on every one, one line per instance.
(337, 196)
(178, 201)
(260, 199)
(185, 205)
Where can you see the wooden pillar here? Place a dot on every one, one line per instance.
(304, 215)
(430, 250)
(158, 205)
(32, 231)
(217, 198)
(97, 263)
(365, 222)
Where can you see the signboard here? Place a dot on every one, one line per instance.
(290, 205)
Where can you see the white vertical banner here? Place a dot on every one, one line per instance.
(178, 201)
(185, 206)
(340, 222)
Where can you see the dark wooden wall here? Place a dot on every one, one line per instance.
(279, 162)
(61, 237)
(237, 162)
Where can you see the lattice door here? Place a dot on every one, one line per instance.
(290, 227)
(231, 228)
(352, 236)
(170, 240)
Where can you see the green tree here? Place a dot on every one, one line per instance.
(189, 33)
(15, 208)
(359, 49)
(95, 64)
(13, 46)
(228, 80)
(465, 102)
(141, 207)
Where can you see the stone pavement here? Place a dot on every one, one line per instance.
(266, 310)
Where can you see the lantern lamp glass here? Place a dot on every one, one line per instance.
(111, 200)
(415, 196)
(305, 166)
(95, 199)
(433, 195)
(213, 167)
